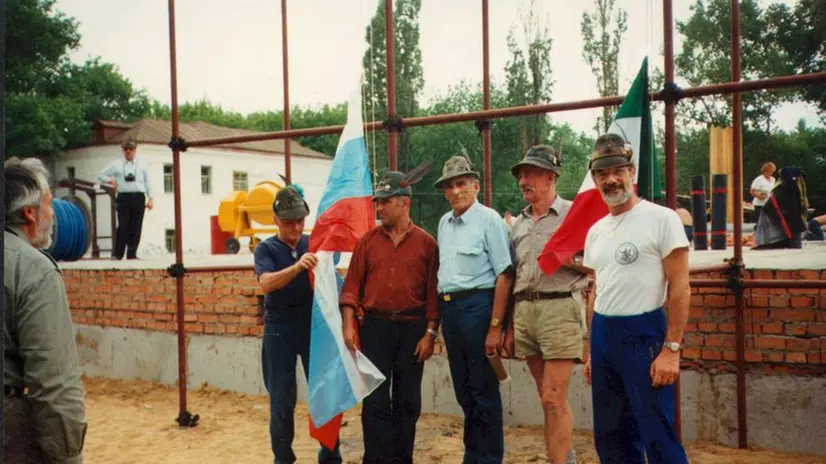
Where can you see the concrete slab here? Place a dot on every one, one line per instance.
(785, 412)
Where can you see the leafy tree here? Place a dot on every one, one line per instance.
(705, 59)
(51, 102)
(408, 73)
(601, 44)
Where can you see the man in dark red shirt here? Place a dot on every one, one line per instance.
(391, 289)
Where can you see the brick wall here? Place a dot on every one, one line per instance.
(785, 329)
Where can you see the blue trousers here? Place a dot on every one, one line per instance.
(465, 325)
(632, 419)
(390, 413)
(283, 343)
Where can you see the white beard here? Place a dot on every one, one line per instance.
(43, 240)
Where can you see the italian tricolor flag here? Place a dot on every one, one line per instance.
(632, 122)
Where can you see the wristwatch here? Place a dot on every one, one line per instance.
(435, 333)
(674, 347)
(495, 322)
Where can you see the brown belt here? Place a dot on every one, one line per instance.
(405, 315)
(450, 296)
(528, 295)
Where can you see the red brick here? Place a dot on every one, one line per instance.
(808, 274)
(817, 329)
(797, 344)
(695, 313)
(707, 327)
(711, 355)
(207, 318)
(691, 327)
(793, 315)
(797, 329)
(697, 300)
(691, 353)
(693, 339)
(766, 342)
(754, 356)
(796, 358)
(814, 358)
(727, 327)
(772, 328)
(718, 301)
(774, 357)
(193, 328)
(779, 301)
(802, 302)
(758, 314)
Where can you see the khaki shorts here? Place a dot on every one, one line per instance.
(553, 329)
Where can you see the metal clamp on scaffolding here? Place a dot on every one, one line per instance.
(176, 270)
(187, 419)
(393, 123)
(734, 274)
(177, 144)
(482, 124)
(671, 93)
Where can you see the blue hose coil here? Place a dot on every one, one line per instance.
(70, 232)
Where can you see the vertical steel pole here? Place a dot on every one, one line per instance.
(285, 59)
(670, 157)
(392, 149)
(737, 173)
(176, 169)
(486, 142)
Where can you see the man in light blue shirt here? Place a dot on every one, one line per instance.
(130, 178)
(475, 274)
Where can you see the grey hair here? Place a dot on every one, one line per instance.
(27, 180)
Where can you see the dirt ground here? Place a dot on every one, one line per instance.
(133, 422)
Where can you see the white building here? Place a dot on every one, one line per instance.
(208, 175)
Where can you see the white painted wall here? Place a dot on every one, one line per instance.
(196, 208)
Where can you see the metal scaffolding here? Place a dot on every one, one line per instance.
(671, 94)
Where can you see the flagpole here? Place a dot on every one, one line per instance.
(286, 67)
(392, 149)
(486, 156)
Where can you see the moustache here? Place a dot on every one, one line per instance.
(607, 188)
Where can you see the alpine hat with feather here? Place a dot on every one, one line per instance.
(456, 166)
(289, 204)
(395, 183)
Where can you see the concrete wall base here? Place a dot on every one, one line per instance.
(784, 412)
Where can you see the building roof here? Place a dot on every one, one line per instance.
(155, 131)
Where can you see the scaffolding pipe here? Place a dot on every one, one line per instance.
(183, 414)
(486, 155)
(286, 70)
(392, 148)
(670, 163)
(497, 113)
(737, 182)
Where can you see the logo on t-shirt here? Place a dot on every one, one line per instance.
(626, 253)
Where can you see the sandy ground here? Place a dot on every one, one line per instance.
(132, 422)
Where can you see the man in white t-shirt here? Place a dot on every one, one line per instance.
(761, 188)
(639, 255)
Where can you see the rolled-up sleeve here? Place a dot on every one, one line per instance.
(498, 245)
(52, 370)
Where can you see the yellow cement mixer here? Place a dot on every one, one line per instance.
(244, 214)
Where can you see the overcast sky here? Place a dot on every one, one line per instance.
(230, 51)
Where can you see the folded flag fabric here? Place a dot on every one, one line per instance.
(633, 123)
(339, 379)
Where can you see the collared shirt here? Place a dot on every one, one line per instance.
(387, 277)
(41, 352)
(474, 249)
(120, 168)
(528, 239)
(294, 301)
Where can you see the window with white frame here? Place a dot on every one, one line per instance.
(239, 181)
(168, 179)
(206, 180)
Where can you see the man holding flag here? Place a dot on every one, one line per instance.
(283, 265)
(391, 286)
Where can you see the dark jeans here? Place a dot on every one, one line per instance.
(465, 323)
(389, 424)
(632, 419)
(282, 344)
(131, 207)
(758, 210)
